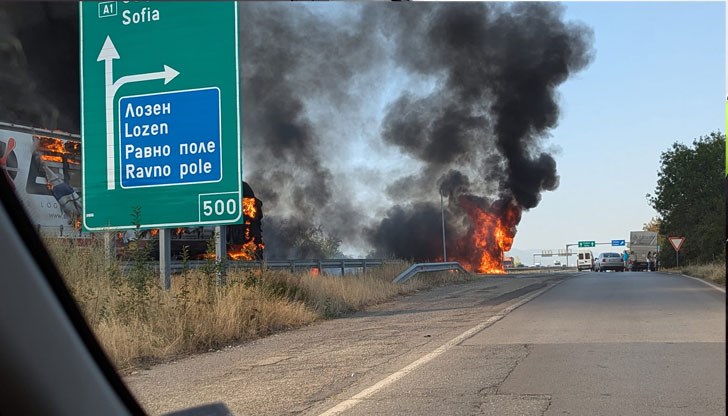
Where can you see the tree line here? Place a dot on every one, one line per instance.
(690, 199)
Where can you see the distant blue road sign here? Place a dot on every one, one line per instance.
(618, 242)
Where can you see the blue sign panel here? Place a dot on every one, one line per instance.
(170, 138)
(618, 242)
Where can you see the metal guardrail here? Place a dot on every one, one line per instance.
(427, 267)
(291, 265)
(343, 264)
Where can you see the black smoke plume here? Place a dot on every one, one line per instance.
(497, 67)
(39, 82)
(478, 99)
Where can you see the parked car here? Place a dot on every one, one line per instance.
(609, 261)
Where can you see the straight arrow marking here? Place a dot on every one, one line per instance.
(108, 54)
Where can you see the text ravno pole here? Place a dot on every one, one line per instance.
(160, 114)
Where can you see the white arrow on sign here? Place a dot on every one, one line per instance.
(676, 242)
(108, 54)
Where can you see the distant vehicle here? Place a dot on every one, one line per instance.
(609, 261)
(585, 260)
(508, 262)
(557, 263)
(641, 243)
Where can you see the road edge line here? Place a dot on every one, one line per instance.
(362, 395)
(714, 286)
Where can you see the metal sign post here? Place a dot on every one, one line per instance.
(109, 248)
(567, 251)
(165, 258)
(221, 254)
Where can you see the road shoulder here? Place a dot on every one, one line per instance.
(294, 370)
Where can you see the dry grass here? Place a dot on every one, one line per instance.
(138, 323)
(714, 272)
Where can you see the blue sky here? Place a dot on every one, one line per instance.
(658, 77)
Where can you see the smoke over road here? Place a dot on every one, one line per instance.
(356, 115)
(480, 130)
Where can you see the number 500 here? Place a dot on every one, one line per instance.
(219, 207)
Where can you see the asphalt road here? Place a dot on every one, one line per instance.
(586, 344)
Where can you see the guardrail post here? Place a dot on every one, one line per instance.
(365, 265)
(342, 267)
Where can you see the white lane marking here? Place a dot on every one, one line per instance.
(358, 398)
(716, 287)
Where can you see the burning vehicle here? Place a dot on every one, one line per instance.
(44, 168)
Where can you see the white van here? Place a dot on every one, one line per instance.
(585, 260)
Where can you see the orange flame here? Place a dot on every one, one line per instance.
(52, 144)
(154, 232)
(56, 150)
(245, 251)
(250, 250)
(249, 207)
(315, 272)
(205, 256)
(51, 158)
(491, 235)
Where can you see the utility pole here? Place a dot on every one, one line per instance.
(442, 210)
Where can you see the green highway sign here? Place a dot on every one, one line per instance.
(160, 114)
(587, 244)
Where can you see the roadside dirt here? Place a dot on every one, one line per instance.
(289, 372)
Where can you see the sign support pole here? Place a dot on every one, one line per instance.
(109, 247)
(165, 258)
(220, 253)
